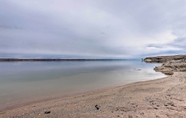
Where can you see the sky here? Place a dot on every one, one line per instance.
(92, 28)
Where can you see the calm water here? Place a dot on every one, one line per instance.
(23, 82)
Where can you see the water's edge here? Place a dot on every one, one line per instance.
(24, 83)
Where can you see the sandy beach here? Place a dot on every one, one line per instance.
(158, 98)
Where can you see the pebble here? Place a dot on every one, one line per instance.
(47, 112)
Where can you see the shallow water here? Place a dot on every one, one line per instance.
(23, 82)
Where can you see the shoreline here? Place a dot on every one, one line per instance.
(70, 95)
(51, 59)
(100, 103)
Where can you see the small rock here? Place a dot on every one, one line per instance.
(97, 107)
(47, 112)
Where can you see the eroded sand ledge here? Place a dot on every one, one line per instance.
(160, 98)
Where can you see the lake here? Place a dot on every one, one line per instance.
(24, 82)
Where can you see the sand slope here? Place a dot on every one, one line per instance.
(161, 98)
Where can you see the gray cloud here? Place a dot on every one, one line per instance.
(98, 28)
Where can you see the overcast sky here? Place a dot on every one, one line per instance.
(93, 28)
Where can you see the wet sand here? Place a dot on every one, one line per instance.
(160, 98)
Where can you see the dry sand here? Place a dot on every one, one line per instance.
(160, 98)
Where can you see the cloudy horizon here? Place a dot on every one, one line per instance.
(92, 28)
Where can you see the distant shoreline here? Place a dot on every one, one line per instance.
(53, 59)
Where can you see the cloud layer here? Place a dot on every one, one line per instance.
(97, 28)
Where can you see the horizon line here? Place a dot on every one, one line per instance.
(54, 59)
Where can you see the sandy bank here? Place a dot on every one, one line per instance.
(161, 98)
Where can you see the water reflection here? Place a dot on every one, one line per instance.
(27, 81)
